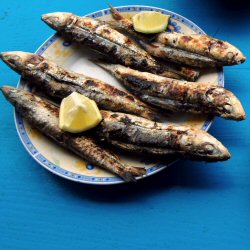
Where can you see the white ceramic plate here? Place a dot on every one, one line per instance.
(66, 164)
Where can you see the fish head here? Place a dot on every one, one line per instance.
(205, 146)
(240, 58)
(16, 95)
(7, 90)
(58, 20)
(233, 108)
(12, 94)
(21, 61)
(225, 103)
(237, 56)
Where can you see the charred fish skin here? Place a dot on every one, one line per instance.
(223, 52)
(167, 53)
(44, 116)
(159, 50)
(178, 56)
(143, 150)
(194, 50)
(177, 71)
(178, 96)
(155, 49)
(194, 143)
(59, 82)
(148, 151)
(101, 37)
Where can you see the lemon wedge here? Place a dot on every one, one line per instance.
(78, 113)
(150, 22)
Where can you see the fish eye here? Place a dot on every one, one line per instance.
(13, 59)
(206, 149)
(209, 148)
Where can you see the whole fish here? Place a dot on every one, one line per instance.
(194, 50)
(60, 82)
(193, 143)
(222, 52)
(118, 48)
(178, 96)
(44, 117)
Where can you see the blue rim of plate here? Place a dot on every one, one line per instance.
(43, 161)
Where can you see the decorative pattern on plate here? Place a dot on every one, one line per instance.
(71, 167)
(173, 27)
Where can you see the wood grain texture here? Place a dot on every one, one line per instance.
(189, 206)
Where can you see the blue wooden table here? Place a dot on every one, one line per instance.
(189, 206)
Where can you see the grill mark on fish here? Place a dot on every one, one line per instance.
(44, 116)
(193, 143)
(59, 82)
(117, 47)
(194, 50)
(178, 96)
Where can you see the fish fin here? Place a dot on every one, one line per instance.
(128, 177)
(130, 173)
(103, 63)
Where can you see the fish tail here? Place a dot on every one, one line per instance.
(115, 13)
(135, 171)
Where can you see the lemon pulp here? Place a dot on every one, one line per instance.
(78, 113)
(150, 22)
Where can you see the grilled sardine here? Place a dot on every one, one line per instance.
(59, 82)
(100, 37)
(194, 50)
(222, 52)
(184, 140)
(178, 96)
(44, 116)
